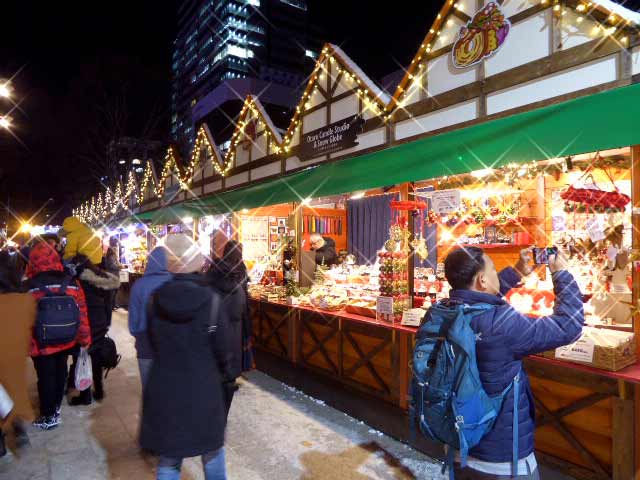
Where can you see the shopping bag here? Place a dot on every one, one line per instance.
(84, 374)
(6, 404)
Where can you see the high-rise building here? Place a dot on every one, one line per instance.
(222, 41)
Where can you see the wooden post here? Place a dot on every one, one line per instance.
(622, 448)
(635, 239)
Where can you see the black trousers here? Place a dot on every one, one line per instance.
(52, 377)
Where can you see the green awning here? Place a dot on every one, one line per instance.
(596, 122)
(173, 214)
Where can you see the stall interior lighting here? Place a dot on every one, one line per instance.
(187, 219)
(358, 195)
(485, 172)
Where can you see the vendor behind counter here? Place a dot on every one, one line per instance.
(325, 250)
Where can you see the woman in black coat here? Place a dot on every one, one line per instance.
(98, 286)
(183, 411)
(229, 277)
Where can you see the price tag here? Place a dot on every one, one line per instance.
(595, 229)
(413, 317)
(580, 351)
(384, 305)
(445, 201)
(124, 276)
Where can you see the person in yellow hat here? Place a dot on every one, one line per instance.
(80, 241)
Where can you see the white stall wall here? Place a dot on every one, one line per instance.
(574, 33)
(442, 76)
(315, 120)
(265, 171)
(316, 99)
(344, 108)
(445, 117)
(259, 147)
(242, 155)
(237, 179)
(365, 140)
(295, 140)
(592, 74)
(295, 162)
(527, 41)
(208, 168)
(213, 187)
(511, 7)
(635, 61)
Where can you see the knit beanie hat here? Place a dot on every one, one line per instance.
(184, 253)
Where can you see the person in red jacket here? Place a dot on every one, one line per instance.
(45, 270)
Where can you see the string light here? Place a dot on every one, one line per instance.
(280, 145)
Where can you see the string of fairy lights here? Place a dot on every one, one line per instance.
(330, 65)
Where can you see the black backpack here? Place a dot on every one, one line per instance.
(106, 352)
(57, 318)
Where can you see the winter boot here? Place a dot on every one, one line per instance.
(83, 399)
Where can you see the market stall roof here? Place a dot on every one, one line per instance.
(587, 124)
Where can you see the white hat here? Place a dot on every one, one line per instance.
(184, 251)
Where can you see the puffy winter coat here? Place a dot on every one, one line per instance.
(231, 282)
(97, 284)
(184, 412)
(45, 269)
(504, 338)
(81, 241)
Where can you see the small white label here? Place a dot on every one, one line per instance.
(580, 351)
(6, 404)
(413, 317)
(124, 276)
(384, 305)
(445, 201)
(595, 229)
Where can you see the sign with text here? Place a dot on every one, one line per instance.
(580, 351)
(384, 305)
(413, 317)
(332, 138)
(445, 201)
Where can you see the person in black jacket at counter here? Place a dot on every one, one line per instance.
(325, 249)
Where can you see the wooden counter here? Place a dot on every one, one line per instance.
(585, 416)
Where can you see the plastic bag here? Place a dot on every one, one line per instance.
(84, 374)
(6, 404)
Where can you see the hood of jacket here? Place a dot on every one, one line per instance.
(72, 224)
(157, 262)
(155, 275)
(181, 299)
(104, 281)
(43, 258)
(225, 277)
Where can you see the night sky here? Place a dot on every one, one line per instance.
(72, 59)
(74, 62)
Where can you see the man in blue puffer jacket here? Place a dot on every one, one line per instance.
(504, 338)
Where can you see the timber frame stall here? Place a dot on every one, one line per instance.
(563, 82)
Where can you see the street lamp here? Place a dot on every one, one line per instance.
(5, 122)
(5, 90)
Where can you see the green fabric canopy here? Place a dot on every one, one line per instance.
(596, 122)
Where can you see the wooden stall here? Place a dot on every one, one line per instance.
(503, 86)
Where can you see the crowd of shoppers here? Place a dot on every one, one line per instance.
(192, 333)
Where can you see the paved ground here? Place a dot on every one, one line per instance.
(274, 432)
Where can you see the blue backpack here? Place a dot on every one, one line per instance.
(57, 318)
(448, 401)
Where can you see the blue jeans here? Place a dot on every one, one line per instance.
(213, 463)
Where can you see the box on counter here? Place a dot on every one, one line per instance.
(599, 348)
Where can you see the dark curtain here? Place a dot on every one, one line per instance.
(368, 221)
